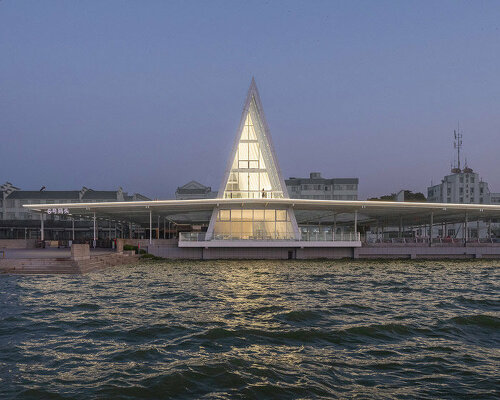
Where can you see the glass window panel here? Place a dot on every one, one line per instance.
(259, 230)
(243, 164)
(258, 215)
(281, 230)
(269, 215)
(246, 215)
(251, 133)
(223, 228)
(236, 215)
(246, 230)
(251, 130)
(243, 151)
(253, 181)
(224, 215)
(243, 180)
(261, 161)
(236, 230)
(264, 181)
(280, 215)
(244, 134)
(253, 151)
(269, 232)
(233, 177)
(253, 164)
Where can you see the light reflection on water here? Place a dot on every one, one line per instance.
(254, 329)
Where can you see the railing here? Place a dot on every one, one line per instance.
(252, 237)
(331, 237)
(306, 237)
(192, 236)
(439, 240)
(256, 194)
(408, 240)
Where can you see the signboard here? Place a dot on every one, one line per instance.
(58, 211)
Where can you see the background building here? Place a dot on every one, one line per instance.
(494, 198)
(462, 186)
(465, 186)
(319, 188)
(194, 190)
(19, 222)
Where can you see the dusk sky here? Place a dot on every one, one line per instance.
(148, 95)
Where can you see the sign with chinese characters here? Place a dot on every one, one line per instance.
(58, 211)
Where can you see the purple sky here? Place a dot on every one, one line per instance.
(148, 95)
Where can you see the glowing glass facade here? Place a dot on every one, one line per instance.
(256, 224)
(253, 174)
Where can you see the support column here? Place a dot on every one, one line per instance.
(164, 227)
(489, 228)
(477, 227)
(150, 227)
(430, 229)
(95, 239)
(334, 226)
(400, 226)
(42, 235)
(465, 230)
(73, 228)
(355, 224)
(130, 230)
(158, 234)
(319, 229)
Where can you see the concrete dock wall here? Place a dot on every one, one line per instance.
(428, 252)
(368, 252)
(249, 253)
(17, 243)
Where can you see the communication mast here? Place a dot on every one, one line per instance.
(457, 144)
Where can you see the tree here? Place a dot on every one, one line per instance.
(409, 196)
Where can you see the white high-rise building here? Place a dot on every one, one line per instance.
(462, 186)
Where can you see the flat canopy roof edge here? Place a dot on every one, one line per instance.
(341, 205)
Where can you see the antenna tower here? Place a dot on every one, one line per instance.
(458, 144)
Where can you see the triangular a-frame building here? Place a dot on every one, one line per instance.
(252, 173)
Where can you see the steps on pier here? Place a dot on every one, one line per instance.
(64, 265)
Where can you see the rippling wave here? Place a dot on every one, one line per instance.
(254, 329)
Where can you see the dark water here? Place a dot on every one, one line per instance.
(254, 330)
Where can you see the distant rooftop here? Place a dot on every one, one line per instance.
(9, 191)
(315, 177)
